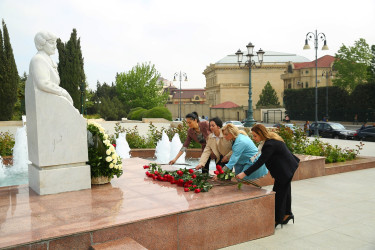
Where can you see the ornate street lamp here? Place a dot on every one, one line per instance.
(327, 74)
(249, 121)
(316, 37)
(180, 76)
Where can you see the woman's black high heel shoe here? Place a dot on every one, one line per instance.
(290, 217)
(276, 224)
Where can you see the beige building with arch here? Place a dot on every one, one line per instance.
(226, 81)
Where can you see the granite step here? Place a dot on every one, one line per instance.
(123, 244)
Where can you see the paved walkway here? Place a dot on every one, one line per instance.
(331, 212)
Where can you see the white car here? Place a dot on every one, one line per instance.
(235, 123)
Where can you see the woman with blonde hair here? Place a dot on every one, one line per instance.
(244, 152)
(282, 165)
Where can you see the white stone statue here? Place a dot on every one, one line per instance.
(43, 69)
(57, 133)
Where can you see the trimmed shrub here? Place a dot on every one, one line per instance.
(137, 114)
(158, 112)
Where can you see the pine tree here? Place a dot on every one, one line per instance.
(268, 98)
(9, 78)
(71, 71)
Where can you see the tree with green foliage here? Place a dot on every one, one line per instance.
(111, 109)
(140, 88)
(8, 76)
(268, 97)
(351, 65)
(19, 107)
(371, 68)
(71, 70)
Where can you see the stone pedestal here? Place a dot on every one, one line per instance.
(59, 179)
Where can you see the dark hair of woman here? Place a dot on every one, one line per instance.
(217, 121)
(193, 116)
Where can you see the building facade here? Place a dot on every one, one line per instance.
(227, 81)
(303, 75)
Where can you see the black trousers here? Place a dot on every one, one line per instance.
(283, 199)
(206, 167)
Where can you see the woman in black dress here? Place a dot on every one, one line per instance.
(282, 164)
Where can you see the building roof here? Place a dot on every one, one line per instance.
(187, 93)
(323, 62)
(270, 57)
(225, 105)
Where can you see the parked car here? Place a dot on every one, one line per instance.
(235, 123)
(366, 134)
(289, 125)
(331, 130)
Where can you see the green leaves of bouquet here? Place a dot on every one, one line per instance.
(103, 158)
(223, 175)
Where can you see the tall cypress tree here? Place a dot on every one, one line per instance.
(9, 78)
(71, 71)
(2, 73)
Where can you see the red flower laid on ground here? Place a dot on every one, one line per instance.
(186, 178)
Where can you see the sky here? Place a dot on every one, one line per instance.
(182, 36)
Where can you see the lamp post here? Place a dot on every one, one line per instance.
(327, 74)
(82, 87)
(249, 121)
(316, 37)
(180, 76)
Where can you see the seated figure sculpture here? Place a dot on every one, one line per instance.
(57, 133)
(43, 69)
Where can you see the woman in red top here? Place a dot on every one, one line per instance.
(198, 131)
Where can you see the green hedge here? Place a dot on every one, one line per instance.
(156, 112)
(300, 103)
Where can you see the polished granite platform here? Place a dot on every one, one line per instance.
(155, 214)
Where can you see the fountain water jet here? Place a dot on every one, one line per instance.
(162, 151)
(175, 148)
(20, 152)
(122, 146)
(166, 150)
(16, 174)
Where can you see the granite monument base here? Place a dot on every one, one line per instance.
(58, 179)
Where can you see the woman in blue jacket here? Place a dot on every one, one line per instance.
(244, 152)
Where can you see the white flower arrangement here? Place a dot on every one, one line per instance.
(103, 158)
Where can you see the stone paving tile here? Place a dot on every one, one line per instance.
(358, 231)
(331, 212)
(333, 240)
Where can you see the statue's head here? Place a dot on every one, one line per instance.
(42, 38)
